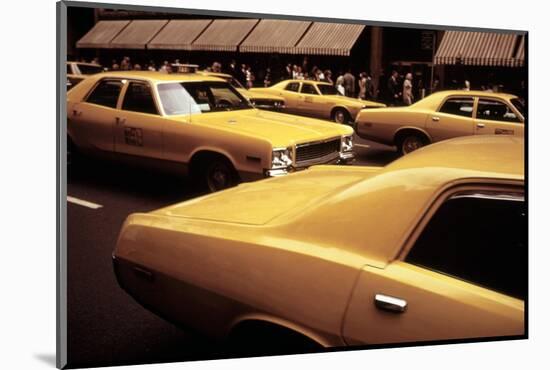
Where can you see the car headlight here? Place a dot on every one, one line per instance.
(281, 158)
(347, 143)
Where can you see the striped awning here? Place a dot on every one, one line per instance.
(137, 34)
(179, 34)
(274, 36)
(224, 34)
(101, 34)
(520, 54)
(477, 48)
(329, 39)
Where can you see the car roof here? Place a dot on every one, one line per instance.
(382, 210)
(486, 94)
(432, 101)
(496, 156)
(215, 74)
(84, 63)
(309, 81)
(160, 76)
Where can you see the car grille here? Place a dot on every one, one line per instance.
(310, 152)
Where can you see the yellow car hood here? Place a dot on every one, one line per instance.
(281, 130)
(261, 202)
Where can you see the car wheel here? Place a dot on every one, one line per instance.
(411, 143)
(269, 339)
(341, 116)
(218, 175)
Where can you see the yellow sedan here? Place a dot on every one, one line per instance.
(431, 247)
(443, 115)
(317, 99)
(197, 125)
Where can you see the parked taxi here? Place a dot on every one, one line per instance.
(431, 247)
(317, 99)
(195, 124)
(443, 115)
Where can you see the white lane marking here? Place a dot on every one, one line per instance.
(362, 145)
(83, 203)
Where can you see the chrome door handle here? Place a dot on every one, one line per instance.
(388, 303)
(480, 125)
(435, 118)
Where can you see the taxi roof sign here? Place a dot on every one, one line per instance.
(184, 68)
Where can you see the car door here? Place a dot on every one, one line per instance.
(464, 275)
(138, 123)
(291, 95)
(453, 118)
(91, 121)
(309, 100)
(496, 117)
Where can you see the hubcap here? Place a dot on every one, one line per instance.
(411, 143)
(218, 178)
(339, 116)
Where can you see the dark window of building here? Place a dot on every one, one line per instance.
(480, 238)
(292, 86)
(458, 106)
(309, 89)
(138, 98)
(494, 110)
(106, 93)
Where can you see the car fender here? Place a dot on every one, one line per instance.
(323, 340)
(415, 128)
(340, 106)
(216, 150)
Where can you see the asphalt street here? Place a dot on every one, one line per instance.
(105, 325)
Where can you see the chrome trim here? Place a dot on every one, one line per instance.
(514, 197)
(318, 142)
(277, 172)
(388, 303)
(320, 160)
(347, 156)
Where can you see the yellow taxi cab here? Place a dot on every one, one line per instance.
(77, 71)
(443, 115)
(431, 247)
(317, 99)
(195, 124)
(258, 100)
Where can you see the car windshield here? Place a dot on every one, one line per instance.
(235, 83)
(200, 97)
(87, 69)
(519, 105)
(328, 90)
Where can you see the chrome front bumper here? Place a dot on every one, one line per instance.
(342, 159)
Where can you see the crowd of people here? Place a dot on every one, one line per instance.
(394, 90)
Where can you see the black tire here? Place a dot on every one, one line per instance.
(72, 154)
(410, 142)
(218, 174)
(269, 339)
(340, 115)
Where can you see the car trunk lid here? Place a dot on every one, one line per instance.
(260, 202)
